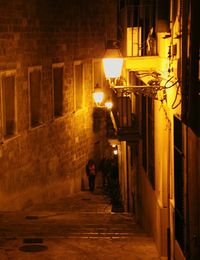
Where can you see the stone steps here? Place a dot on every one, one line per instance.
(80, 216)
(47, 227)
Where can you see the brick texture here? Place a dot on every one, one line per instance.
(49, 161)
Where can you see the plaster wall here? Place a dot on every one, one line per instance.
(154, 216)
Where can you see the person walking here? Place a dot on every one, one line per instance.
(91, 174)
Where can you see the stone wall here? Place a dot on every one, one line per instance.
(48, 161)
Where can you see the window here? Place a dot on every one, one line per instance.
(8, 104)
(137, 24)
(191, 73)
(78, 84)
(35, 96)
(163, 15)
(58, 73)
(134, 36)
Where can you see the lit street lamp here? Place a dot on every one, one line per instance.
(112, 63)
(98, 96)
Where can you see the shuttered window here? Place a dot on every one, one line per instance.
(78, 84)
(8, 105)
(58, 71)
(35, 96)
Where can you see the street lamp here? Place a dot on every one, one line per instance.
(98, 96)
(115, 149)
(150, 80)
(112, 62)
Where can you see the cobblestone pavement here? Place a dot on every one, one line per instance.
(80, 226)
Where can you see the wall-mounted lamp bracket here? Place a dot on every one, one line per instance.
(144, 90)
(150, 86)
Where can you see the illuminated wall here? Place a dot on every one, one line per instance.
(46, 159)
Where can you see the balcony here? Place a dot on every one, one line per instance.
(137, 28)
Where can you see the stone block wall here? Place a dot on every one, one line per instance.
(48, 161)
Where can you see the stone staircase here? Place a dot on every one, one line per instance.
(66, 225)
(83, 215)
(81, 226)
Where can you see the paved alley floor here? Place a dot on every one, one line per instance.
(80, 226)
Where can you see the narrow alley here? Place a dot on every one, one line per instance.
(106, 87)
(80, 226)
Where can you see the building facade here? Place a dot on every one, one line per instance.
(46, 107)
(159, 157)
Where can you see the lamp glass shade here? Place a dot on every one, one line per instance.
(98, 95)
(112, 67)
(112, 63)
(115, 152)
